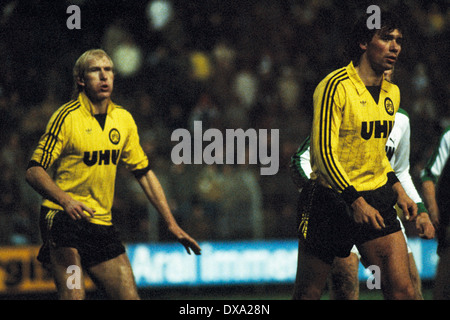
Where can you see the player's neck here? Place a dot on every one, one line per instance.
(368, 75)
(100, 107)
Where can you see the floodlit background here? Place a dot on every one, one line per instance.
(231, 64)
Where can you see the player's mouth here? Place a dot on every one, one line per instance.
(104, 87)
(391, 59)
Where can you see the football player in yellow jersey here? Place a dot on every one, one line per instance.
(352, 191)
(83, 143)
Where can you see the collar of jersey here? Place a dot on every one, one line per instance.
(87, 104)
(360, 86)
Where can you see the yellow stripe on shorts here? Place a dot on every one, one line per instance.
(49, 218)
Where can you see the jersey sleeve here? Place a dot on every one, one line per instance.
(52, 142)
(436, 163)
(133, 156)
(329, 101)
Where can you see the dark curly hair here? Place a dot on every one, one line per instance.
(360, 33)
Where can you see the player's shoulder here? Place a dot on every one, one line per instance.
(334, 79)
(402, 115)
(336, 74)
(390, 87)
(122, 110)
(447, 129)
(73, 104)
(402, 122)
(444, 140)
(446, 134)
(125, 116)
(66, 110)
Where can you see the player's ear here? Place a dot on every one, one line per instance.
(80, 82)
(363, 46)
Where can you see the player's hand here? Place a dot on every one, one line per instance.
(434, 216)
(425, 226)
(78, 210)
(365, 213)
(405, 203)
(187, 241)
(408, 206)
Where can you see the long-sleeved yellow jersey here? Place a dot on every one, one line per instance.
(350, 131)
(84, 156)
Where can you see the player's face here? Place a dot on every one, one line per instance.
(98, 79)
(383, 50)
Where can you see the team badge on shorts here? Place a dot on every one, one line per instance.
(389, 106)
(114, 136)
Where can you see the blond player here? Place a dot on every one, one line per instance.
(74, 169)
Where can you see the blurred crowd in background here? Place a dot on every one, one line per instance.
(230, 64)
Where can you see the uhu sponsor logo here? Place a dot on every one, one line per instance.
(376, 129)
(101, 157)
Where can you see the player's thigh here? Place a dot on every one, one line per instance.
(63, 259)
(311, 277)
(414, 272)
(390, 254)
(115, 277)
(344, 281)
(348, 266)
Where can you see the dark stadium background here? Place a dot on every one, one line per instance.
(231, 64)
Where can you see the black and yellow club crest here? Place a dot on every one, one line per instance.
(389, 106)
(114, 136)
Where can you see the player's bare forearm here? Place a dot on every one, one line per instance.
(424, 226)
(429, 196)
(365, 213)
(155, 193)
(405, 203)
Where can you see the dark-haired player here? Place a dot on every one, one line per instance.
(343, 280)
(351, 195)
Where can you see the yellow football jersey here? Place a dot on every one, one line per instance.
(84, 156)
(350, 130)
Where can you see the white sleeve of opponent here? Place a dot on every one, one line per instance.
(401, 133)
(436, 164)
(305, 163)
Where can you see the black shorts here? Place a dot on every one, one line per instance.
(94, 243)
(326, 222)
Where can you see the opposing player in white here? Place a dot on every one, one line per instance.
(435, 178)
(344, 274)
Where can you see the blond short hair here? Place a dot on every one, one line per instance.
(81, 65)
